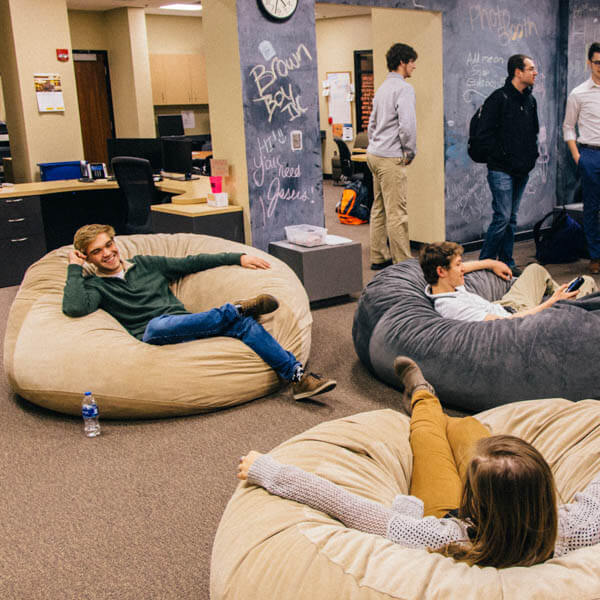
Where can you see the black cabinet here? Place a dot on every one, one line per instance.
(22, 239)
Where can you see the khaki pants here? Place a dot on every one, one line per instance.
(533, 284)
(442, 447)
(389, 214)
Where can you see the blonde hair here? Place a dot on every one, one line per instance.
(85, 235)
(509, 501)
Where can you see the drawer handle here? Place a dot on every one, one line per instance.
(13, 200)
(24, 239)
(16, 220)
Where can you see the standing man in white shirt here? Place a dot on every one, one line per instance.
(583, 110)
(392, 146)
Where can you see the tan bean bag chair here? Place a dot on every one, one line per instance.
(51, 359)
(270, 548)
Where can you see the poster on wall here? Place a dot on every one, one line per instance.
(48, 89)
(340, 90)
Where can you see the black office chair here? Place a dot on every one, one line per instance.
(134, 176)
(347, 166)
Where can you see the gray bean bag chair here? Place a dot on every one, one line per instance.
(476, 366)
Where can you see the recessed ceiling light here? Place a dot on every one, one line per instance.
(182, 6)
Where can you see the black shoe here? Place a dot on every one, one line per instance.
(254, 307)
(381, 265)
(516, 271)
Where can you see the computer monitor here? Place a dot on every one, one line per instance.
(148, 148)
(177, 158)
(170, 125)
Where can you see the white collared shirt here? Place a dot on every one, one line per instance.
(583, 109)
(464, 306)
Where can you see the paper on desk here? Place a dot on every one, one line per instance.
(333, 240)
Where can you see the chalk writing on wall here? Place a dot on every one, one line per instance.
(283, 148)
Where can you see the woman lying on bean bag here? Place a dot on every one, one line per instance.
(504, 514)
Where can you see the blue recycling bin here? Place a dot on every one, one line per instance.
(60, 170)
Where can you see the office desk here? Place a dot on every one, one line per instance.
(223, 221)
(201, 154)
(38, 217)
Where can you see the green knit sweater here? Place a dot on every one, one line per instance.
(143, 294)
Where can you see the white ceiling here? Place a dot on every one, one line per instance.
(151, 6)
(322, 11)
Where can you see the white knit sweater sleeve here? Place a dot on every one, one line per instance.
(353, 511)
(579, 521)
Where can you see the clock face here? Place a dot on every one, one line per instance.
(278, 9)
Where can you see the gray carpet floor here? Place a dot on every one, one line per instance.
(133, 513)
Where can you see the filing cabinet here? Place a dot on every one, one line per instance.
(22, 239)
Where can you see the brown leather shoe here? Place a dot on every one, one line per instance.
(254, 307)
(595, 266)
(310, 385)
(411, 376)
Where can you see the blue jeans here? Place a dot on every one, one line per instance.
(589, 168)
(224, 321)
(507, 191)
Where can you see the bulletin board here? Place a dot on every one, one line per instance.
(340, 91)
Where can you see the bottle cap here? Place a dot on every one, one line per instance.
(88, 394)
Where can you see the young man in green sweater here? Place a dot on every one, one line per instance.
(137, 294)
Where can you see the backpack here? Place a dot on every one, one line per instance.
(563, 242)
(353, 208)
(478, 146)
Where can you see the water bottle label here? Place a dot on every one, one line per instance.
(89, 411)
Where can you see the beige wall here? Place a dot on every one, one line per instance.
(130, 72)
(225, 98)
(337, 39)
(30, 32)
(88, 30)
(423, 31)
(174, 35)
(178, 35)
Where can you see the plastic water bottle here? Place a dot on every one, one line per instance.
(89, 412)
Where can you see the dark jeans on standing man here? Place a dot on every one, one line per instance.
(589, 169)
(507, 191)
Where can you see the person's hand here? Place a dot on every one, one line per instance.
(502, 270)
(246, 462)
(254, 262)
(76, 258)
(562, 294)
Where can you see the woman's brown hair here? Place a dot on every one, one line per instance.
(509, 501)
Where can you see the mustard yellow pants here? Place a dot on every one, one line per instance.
(442, 447)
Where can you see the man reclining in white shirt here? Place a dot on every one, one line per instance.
(444, 271)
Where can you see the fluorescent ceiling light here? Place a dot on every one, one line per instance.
(182, 7)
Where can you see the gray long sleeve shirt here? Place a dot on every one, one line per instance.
(403, 522)
(393, 121)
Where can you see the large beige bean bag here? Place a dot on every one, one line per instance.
(51, 359)
(270, 548)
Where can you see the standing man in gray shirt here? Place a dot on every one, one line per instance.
(583, 109)
(392, 146)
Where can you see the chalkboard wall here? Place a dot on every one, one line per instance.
(582, 24)
(479, 36)
(280, 94)
(280, 87)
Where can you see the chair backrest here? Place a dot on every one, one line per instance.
(345, 160)
(134, 176)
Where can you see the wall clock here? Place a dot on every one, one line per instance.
(279, 10)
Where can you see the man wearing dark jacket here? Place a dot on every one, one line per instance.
(509, 126)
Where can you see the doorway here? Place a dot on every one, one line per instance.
(95, 102)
